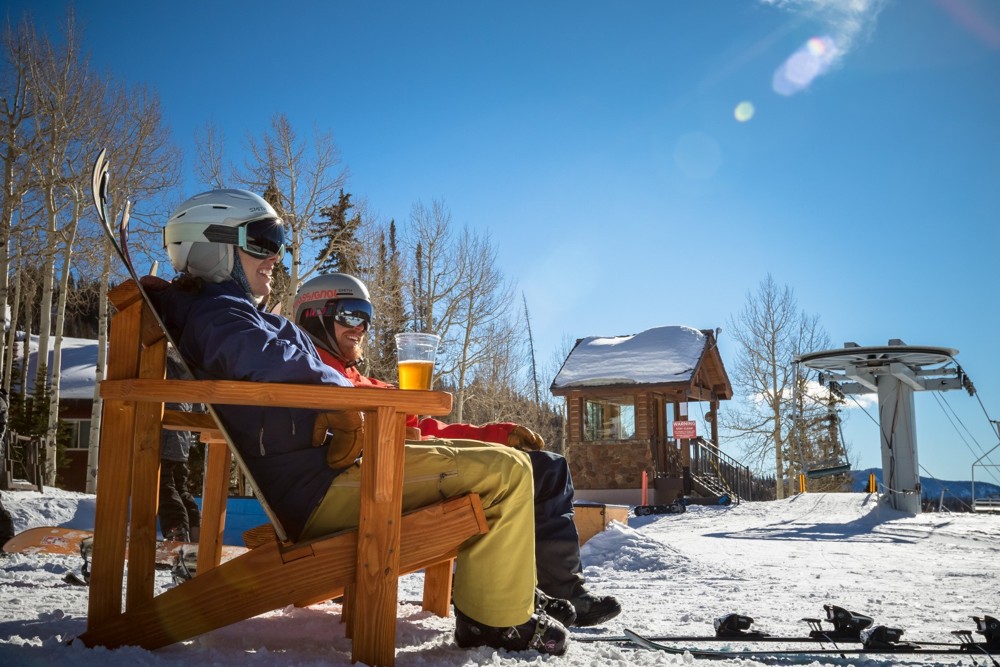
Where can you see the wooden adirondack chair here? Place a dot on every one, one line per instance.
(364, 563)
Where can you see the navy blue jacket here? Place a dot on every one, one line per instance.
(223, 336)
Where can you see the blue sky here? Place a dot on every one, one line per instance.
(599, 144)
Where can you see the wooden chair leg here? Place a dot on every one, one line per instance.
(213, 515)
(437, 587)
(347, 613)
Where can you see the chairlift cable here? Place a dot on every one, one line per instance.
(962, 438)
(863, 409)
(946, 489)
(951, 419)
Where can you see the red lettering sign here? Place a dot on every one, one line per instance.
(685, 430)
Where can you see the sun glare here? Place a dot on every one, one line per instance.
(743, 112)
(801, 68)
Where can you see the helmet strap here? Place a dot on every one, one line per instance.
(323, 339)
(240, 276)
(331, 343)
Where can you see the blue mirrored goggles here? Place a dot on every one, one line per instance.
(349, 313)
(262, 239)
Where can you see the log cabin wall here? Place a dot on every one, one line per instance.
(609, 463)
(642, 413)
(617, 465)
(574, 418)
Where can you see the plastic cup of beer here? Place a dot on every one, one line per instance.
(416, 352)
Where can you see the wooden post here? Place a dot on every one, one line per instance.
(145, 482)
(213, 515)
(115, 468)
(374, 601)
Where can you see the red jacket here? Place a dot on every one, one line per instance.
(429, 427)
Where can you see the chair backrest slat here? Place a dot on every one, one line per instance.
(120, 297)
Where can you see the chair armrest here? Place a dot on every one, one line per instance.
(320, 397)
(179, 420)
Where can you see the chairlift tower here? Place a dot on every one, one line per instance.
(894, 372)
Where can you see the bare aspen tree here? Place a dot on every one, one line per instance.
(531, 350)
(494, 390)
(436, 273)
(769, 331)
(481, 324)
(815, 422)
(17, 138)
(72, 114)
(66, 99)
(305, 178)
(144, 166)
(209, 165)
(557, 404)
(10, 340)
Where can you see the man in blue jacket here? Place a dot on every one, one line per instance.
(225, 244)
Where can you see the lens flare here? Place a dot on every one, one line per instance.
(817, 46)
(801, 68)
(743, 112)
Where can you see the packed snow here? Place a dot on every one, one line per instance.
(776, 561)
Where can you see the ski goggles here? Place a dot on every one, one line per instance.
(349, 313)
(262, 239)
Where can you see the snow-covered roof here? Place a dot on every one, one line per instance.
(79, 361)
(655, 356)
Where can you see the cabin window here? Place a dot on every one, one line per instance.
(79, 433)
(609, 419)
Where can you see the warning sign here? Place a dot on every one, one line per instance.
(685, 430)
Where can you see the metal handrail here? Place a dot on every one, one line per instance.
(708, 462)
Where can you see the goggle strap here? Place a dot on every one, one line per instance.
(212, 233)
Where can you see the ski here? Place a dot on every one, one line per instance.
(848, 627)
(762, 638)
(99, 189)
(100, 179)
(977, 648)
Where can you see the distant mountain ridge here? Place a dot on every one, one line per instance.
(931, 488)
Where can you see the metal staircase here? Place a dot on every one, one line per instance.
(715, 473)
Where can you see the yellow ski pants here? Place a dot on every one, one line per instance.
(495, 572)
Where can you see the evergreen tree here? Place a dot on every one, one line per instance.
(281, 286)
(341, 249)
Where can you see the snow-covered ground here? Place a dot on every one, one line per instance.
(775, 561)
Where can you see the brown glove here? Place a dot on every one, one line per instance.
(343, 433)
(524, 438)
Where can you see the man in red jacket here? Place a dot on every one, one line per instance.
(335, 311)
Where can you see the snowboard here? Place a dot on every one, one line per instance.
(66, 541)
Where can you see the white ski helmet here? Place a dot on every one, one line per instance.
(201, 233)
